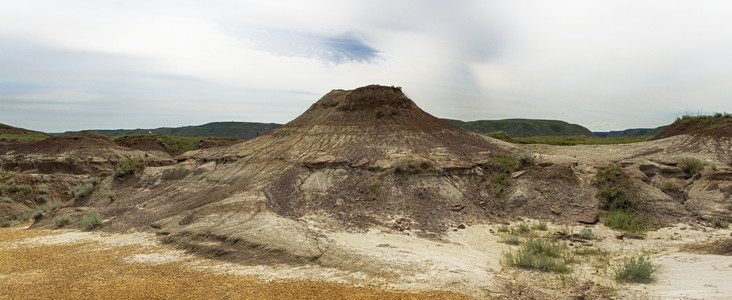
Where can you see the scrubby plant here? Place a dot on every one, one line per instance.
(524, 228)
(20, 189)
(41, 199)
(61, 220)
(412, 165)
(42, 190)
(503, 228)
(525, 159)
(542, 225)
(80, 189)
(128, 167)
(45, 178)
(613, 189)
(5, 173)
(112, 195)
(636, 269)
(512, 239)
(586, 234)
(4, 222)
(540, 255)
(670, 186)
(690, 165)
(93, 179)
(7, 199)
(719, 223)
(626, 221)
(91, 219)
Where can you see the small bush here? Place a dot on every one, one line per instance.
(21, 189)
(93, 179)
(41, 199)
(626, 221)
(634, 269)
(586, 234)
(5, 174)
(37, 213)
(128, 167)
(503, 228)
(614, 189)
(719, 223)
(512, 239)
(671, 186)
(525, 159)
(4, 222)
(91, 219)
(411, 165)
(61, 220)
(7, 199)
(45, 178)
(690, 165)
(42, 190)
(542, 226)
(80, 189)
(112, 195)
(540, 255)
(524, 228)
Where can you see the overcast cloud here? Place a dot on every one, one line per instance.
(607, 65)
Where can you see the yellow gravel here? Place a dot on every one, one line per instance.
(92, 270)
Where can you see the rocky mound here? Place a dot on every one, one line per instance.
(81, 141)
(716, 126)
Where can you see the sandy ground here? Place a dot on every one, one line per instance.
(75, 264)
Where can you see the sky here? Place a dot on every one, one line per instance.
(606, 65)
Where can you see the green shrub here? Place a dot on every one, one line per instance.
(80, 189)
(21, 189)
(690, 165)
(540, 255)
(586, 234)
(719, 223)
(626, 221)
(542, 226)
(128, 167)
(503, 228)
(4, 222)
(512, 239)
(524, 228)
(614, 189)
(45, 178)
(91, 219)
(501, 136)
(41, 199)
(634, 269)
(412, 165)
(525, 159)
(670, 186)
(5, 174)
(112, 195)
(61, 220)
(93, 179)
(499, 182)
(7, 199)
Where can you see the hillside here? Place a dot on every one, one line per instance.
(717, 125)
(239, 130)
(635, 132)
(523, 127)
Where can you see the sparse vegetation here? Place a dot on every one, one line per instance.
(690, 165)
(412, 165)
(576, 140)
(540, 255)
(25, 137)
(670, 186)
(503, 228)
(41, 199)
(542, 225)
(524, 228)
(61, 220)
(45, 178)
(80, 189)
(636, 269)
(91, 219)
(112, 195)
(614, 190)
(626, 221)
(11, 187)
(586, 234)
(7, 199)
(5, 173)
(512, 239)
(719, 223)
(502, 166)
(128, 167)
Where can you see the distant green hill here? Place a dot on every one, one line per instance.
(636, 132)
(239, 130)
(524, 127)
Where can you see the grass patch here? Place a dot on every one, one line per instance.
(719, 223)
(540, 255)
(670, 186)
(625, 221)
(570, 140)
(91, 219)
(690, 165)
(512, 239)
(541, 226)
(41, 199)
(10, 187)
(112, 195)
(586, 234)
(26, 137)
(80, 189)
(503, 229)
(61, 220)
(502, 165)
(636, 269)
(5, 173)
(6, 199)
(524, 228)
(129, 167)
(412, 165)
(614, 189)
